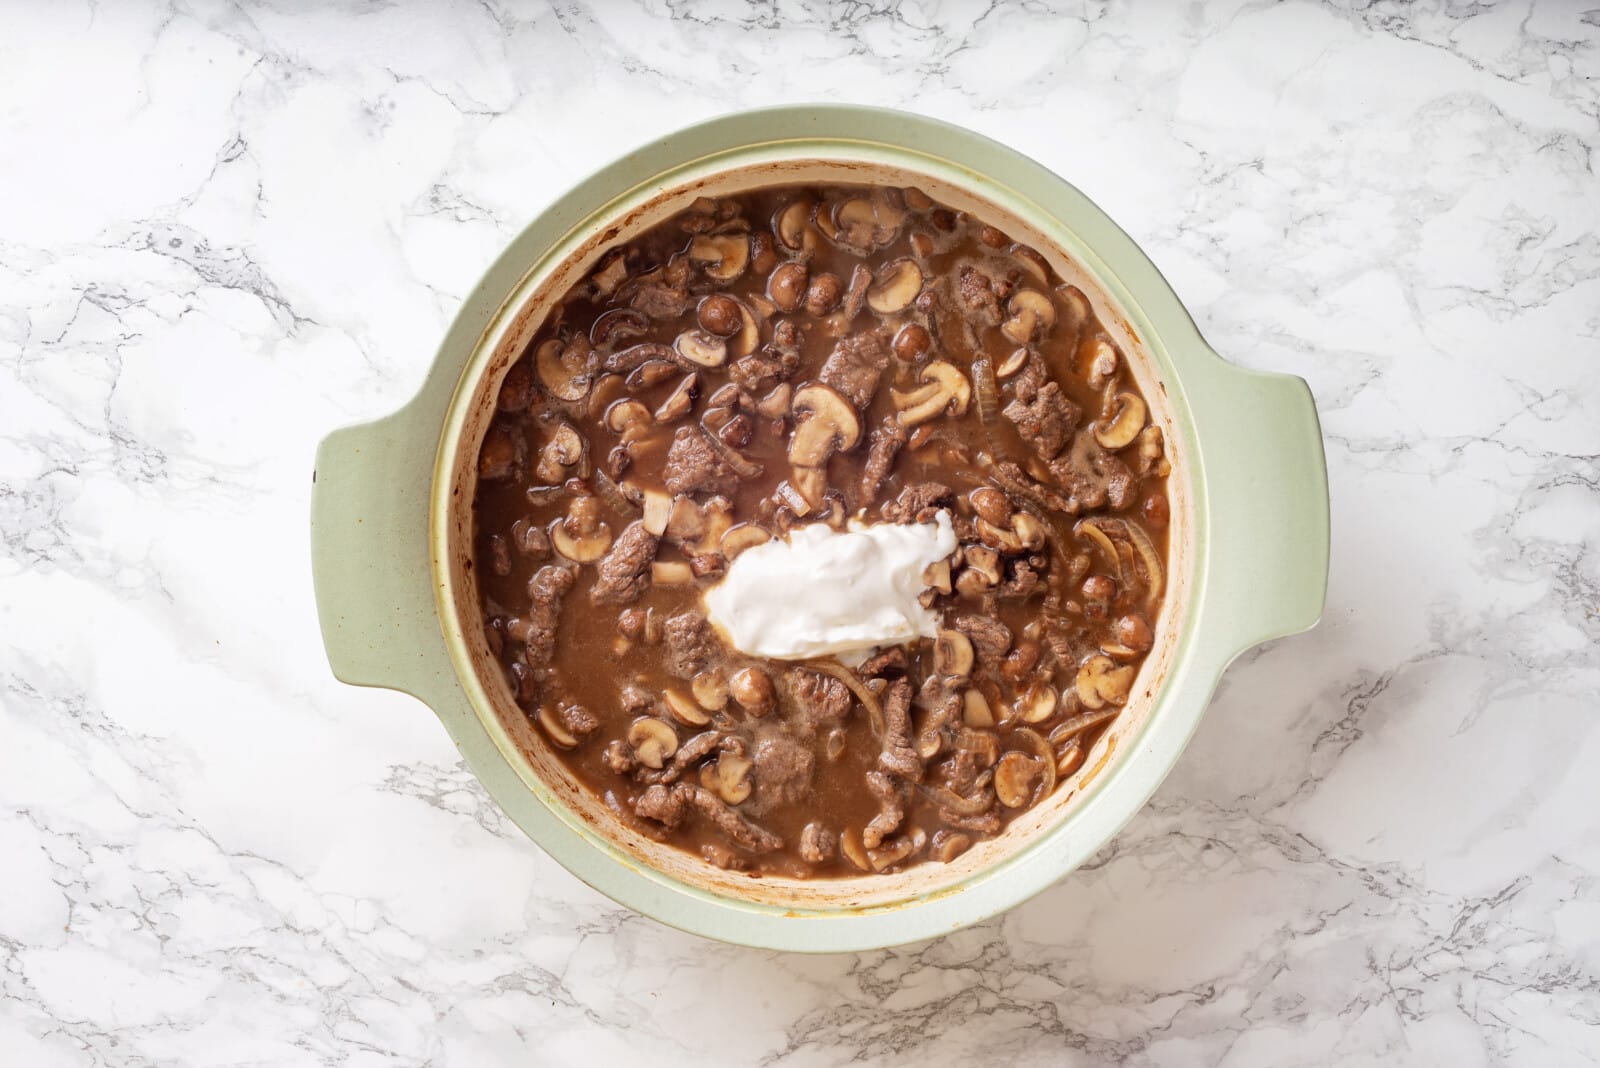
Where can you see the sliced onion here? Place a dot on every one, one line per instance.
(984, 389)
(1042, 750)
(1149, 557)
(1091, 530)
(961, 806)
(1071, 728)
(864, 695)
(612, 494)
(742, 467)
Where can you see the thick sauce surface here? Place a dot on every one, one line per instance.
(836, 355)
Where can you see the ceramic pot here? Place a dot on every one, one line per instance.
(391, 527)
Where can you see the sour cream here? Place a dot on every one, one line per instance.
(824, 592)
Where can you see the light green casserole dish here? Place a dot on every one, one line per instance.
(391, 527)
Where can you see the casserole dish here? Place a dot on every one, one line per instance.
(392, 527)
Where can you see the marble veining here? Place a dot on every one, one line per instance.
(228, 228)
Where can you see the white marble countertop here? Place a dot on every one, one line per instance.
(226, 229)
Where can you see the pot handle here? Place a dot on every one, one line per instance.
(1267, 480)
(370, 557)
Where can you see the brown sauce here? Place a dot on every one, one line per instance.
(814, 354)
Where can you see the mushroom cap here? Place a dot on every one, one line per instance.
(701, 348)
(943, 388)
(725, 255)
(654, 742)
(556, 373)
(684, 710)
(583, 548)
(895, 287)
(825, 423)
(1125, 425)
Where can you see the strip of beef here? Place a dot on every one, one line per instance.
(991, 639)
(545, 590)
(659, 301)
(690, 642)
(623, 574)
(783, 770)
(891, 809)
(1092, 476)
(1044, 417)
(1011, 478)
(693, 464)
(667, 805)
(690, 753)
(885, 444)
(975, 291)
(1022, 583)
(579, 720)
(817, 844)
(819, 700)
(892, 661)
(919, 502)
(855, 366)
(856, 294)
(898, 756)
(740, 831)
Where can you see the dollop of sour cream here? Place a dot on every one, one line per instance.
(825, 592)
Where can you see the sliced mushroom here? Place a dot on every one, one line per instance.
(856, 853)
(1012, 364)
(654, 742)
(1102, 361)
(895, 287)
(1124, 425)
(628, 418)
(1025, 534)
(562, 453)
(856, 221)
(1070, 759)
(937, 576)
(657, 511)
(944, 389)
(1015, 779)
(975, 710)
(562, 370)
(948, 845)
(897, 849)
(741, 537)
(671, 573)
(680, 400)
(652, 373)
(748, 337)
(1101, 681)
(1038, 704)
(732, 778)
(952, 654)
(752, 688)
(684, 710)
(724, 256)
(983, 562)
(775, 405)
(701, 348)
(1032, 314)
(790, 224)
(711, 690)
(825, 423)
(556, 729)
(579, 540)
